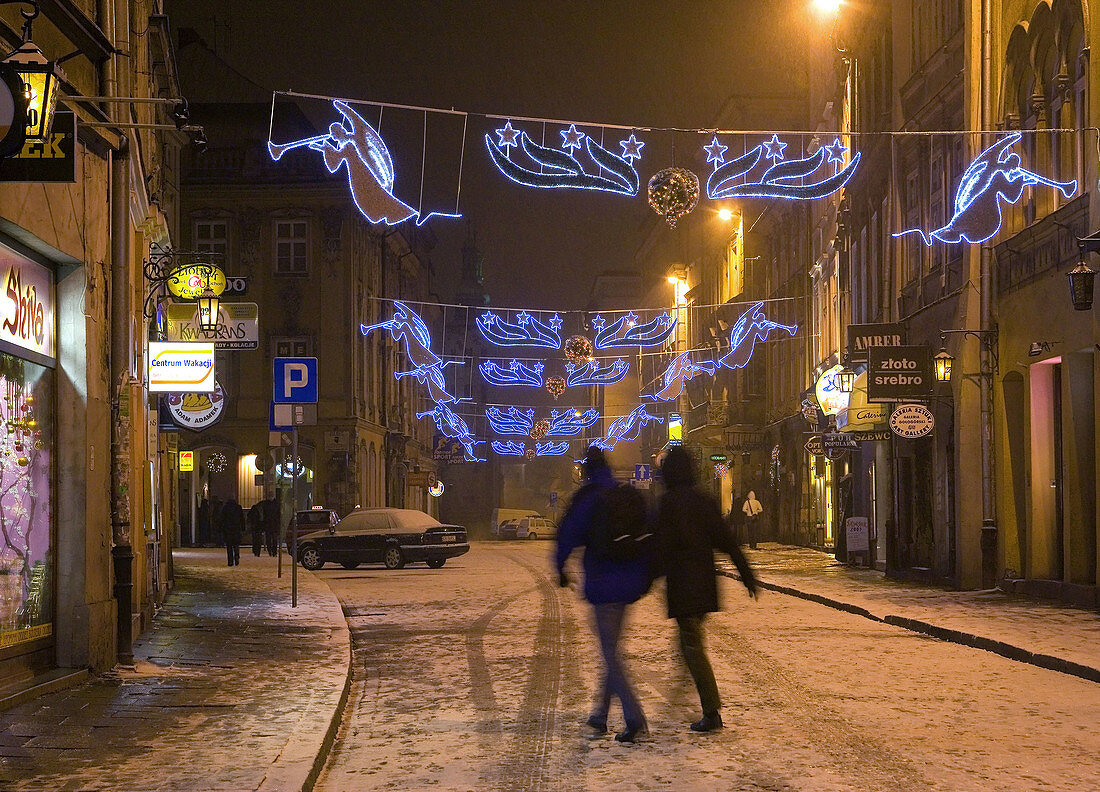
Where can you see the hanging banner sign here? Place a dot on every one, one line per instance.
(238, 325)
(871, 436)
(52, 161)
(863, 336)
(189, 282)
(898, 373)
(815, 446)
(912, 421)
(26, 308)
(187, 461)
(176, 366)
(196, 411)
(835, 440)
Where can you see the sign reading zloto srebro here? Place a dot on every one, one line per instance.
(181, 367)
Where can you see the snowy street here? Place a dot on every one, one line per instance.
(479, 675)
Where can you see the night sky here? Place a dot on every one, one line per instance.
(675, 64)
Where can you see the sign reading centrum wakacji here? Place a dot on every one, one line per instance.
(181, 367)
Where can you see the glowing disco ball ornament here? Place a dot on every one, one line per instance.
(579, 349)
(555, 386)
(673, 192)
(216, 462)
(539, 430)
(529, 453)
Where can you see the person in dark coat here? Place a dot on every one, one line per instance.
(232, 528)
(271, 526)
(610, 586)
(689, 528)
(736, 518)
(203, 522)
(217, 532)
(255, 521)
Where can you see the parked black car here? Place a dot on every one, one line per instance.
(311, 520)
(393, 537)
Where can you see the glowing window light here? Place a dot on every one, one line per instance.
(993, 176)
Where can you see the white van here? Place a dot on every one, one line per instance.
(504, 515)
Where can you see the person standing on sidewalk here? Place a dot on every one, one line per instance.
(610, 585)
(233, 529)
(255, 522)
(689, 528)
(752, 510)
(736, 518)
(271, 526)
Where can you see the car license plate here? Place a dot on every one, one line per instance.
(448, 537)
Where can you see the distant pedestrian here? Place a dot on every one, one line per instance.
(689, 529)
(232, 528)
(255, 522)
(216, 520)
(736, 518)
(752, 509)
(203, 523)
(271, 526)
(612, 581)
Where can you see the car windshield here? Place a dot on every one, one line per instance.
(317, 517)
(412, 520)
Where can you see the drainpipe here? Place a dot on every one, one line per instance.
(989, 523)
(121, 366)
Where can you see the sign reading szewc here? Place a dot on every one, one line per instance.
(180, 367)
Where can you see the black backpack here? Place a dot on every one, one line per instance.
(620, 530)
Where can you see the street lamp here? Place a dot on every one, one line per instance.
(1081, 280)
(726, 214)
(845, 380)
(208, 310)
(943, 361)
(39, 77)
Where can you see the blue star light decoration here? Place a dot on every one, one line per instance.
(518, 374)
(994, 176)
(527, 330)
(354, 145)
(512, 421)
(626, 332)
(798, 179)
(551, 449)
(508, 448)
(593, 372)
(557, 168)
(569, 423)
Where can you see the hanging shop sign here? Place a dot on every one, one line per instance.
(190, 281)
(196, 411)
(181, 367)
(13, 111)
(863, 336)
(899, 373)
(27, 315)
(235, 286)
(187, 461)
(912, 421)
(829, 395)
(862, 418)
(872, 436)
(814, 445)
(52, 160)
(238, 325)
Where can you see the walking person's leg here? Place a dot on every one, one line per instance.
(609, 621)
(228, 553)
(695, 656)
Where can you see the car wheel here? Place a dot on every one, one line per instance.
(392, 557)
(310, 557)
(349, 564)
(436, 563)
(532, 535)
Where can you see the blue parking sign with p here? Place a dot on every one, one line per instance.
(295, 380)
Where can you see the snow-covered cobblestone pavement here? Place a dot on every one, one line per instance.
(478, 676)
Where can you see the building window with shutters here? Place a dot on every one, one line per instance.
(291, 247)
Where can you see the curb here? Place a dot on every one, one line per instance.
(302, 759)
(1006, 650)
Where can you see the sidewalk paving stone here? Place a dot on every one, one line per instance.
(237, 687)
(1049, 634)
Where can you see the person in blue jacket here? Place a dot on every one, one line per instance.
(610, 585)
